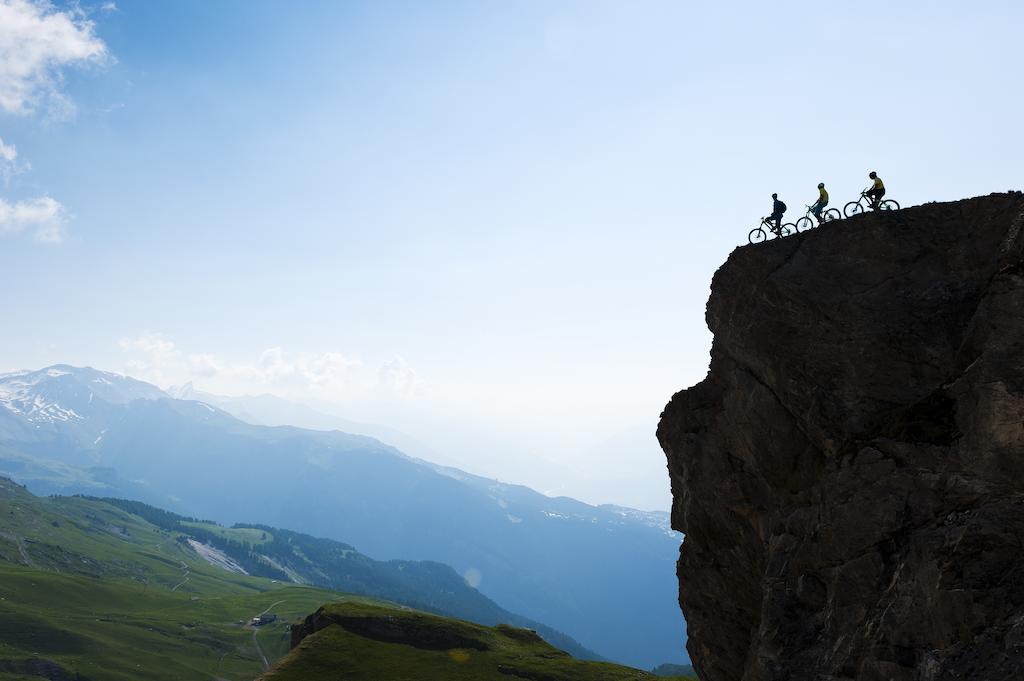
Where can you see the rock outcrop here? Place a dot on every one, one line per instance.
(850, 474)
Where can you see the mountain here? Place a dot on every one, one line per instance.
(603, 575)
(295, 557)
(93, 582)
(89, 592)
(367, 643)
(271, 410)
(849, 474)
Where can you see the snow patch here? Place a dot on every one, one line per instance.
(216, 557)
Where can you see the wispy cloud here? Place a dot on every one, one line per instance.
(275, 367)
(396, 378)
(37, 42)
(8, 154)
(9, 165)
(153, 357)
(43, 216)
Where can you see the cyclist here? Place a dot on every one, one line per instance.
(778, 208)
(820, 204)
(877, 190)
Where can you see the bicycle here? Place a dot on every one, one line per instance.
(857, 207)
(758, 234)
(805, 223)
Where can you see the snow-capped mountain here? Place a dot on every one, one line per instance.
(64, 393)
(580, 568)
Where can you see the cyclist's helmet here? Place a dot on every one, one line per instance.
(821, 185)
(775, 196)
(872, 174)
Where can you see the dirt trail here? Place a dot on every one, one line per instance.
(259, 651)
(186, 573)
(255, 641)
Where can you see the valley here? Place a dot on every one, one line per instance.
(579, 569)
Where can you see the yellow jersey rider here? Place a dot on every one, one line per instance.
(877, 190)
(820, 204)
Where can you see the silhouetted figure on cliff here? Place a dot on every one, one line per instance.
(820, 204)
(778, 208)
(877, 190)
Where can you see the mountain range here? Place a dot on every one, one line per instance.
(602, 574)
(114, 590)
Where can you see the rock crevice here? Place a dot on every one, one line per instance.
(850, 473)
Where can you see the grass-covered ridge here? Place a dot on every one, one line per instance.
(89, 589)
(368, 642)
(286, 556)
(97, 588)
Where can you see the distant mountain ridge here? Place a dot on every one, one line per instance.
(274, 553)
(603, 575)
(82, 579)
(271, 410)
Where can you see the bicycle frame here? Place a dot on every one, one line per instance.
(767, 226)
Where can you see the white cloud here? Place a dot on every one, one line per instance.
(397, 378)
(204, 365)
(8, 153)
(276, 368)
(37, 42)
(155, 358)
(153, 345)
(9, 166)
(328, 375)
(44, 216)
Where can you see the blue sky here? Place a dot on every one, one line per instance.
(489, 224)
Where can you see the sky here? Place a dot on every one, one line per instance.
(491, 225)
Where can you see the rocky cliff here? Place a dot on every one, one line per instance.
(850, 474)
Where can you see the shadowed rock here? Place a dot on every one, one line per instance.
(850, 474)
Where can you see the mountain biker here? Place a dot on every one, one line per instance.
(778, 208)
(820, 204)
(877, 190)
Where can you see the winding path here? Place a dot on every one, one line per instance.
(255, 641)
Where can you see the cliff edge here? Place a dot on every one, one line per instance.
(850, 473)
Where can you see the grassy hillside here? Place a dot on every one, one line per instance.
(292, 556)
(581, 569)
(119, 630)
(365, 642)
(90, 589)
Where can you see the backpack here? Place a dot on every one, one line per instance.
(782, 207)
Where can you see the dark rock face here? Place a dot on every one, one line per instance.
(850, 474)
(419, 630)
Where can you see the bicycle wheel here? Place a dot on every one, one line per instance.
(853, 208)
(832, 214)
(787, 229)
(756, 235)
(804, 224)
(889, 204)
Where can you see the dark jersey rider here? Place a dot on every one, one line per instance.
(778, 208)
